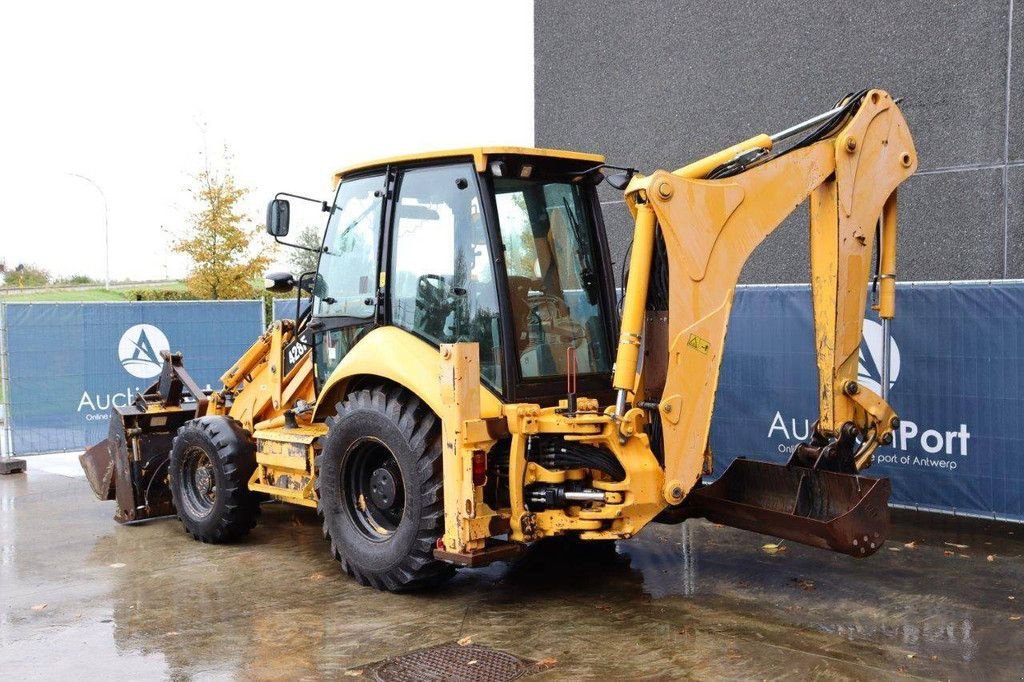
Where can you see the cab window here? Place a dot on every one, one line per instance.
(346, 282)
(442, 282)
(551, 257)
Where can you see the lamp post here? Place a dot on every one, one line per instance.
(106, 226)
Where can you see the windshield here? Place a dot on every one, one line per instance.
(550, 256)
(346, 282)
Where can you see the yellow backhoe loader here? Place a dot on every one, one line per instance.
(462, 378)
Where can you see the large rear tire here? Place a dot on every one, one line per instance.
(380, 490)
(211, 461)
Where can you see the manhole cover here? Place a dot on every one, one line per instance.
(453, 663)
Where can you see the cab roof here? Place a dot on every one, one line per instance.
(479, 155)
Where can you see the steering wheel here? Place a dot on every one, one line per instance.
(552, 308)
(559, 320)
(432, 293)
(538, 300)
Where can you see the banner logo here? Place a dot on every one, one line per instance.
(869, 371)
(139, 350)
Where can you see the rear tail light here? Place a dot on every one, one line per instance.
(479, 467)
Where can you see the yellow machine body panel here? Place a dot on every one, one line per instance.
(479, 155)
(398, 356)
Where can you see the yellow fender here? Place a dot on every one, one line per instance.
(396, 355)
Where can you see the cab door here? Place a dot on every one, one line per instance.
(345, 301)
(442, 284)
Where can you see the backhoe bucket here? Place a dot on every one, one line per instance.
(842, 512)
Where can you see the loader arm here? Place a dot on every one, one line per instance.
(711, 226)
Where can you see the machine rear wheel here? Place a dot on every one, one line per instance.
(379, 484)
(212, 459)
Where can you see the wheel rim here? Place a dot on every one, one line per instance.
(199, 482)
(373, 489)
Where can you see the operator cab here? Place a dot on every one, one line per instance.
(504, 247)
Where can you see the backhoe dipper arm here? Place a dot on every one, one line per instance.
(711, 226)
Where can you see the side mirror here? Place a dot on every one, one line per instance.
(277, 218)
(279, 282)
(620, 180)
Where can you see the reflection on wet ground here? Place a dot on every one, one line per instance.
(82, 596)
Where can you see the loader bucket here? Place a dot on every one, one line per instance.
(130, 465)
(98, 465)
(842, 512)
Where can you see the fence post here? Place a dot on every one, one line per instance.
(8, 463)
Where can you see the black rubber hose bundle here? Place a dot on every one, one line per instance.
(826, 129)
(555, 453)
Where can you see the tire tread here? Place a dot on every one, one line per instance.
(421, 428)
(235, 449)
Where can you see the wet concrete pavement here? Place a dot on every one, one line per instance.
(690, 601)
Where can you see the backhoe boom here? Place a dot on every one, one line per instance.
(711, 226)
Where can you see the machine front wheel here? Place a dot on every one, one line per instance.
(212, 459)
(379, 484)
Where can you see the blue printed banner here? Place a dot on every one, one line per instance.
(286, 308)
(69, 363)
(957, 368)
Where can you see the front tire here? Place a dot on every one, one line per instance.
(380, 490)
(211, 461)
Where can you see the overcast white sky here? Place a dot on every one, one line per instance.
(122, 93)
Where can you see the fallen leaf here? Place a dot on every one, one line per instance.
(773, 548)
(910, 545)
(1014, 617)
(465, 641)
(117, 565)
(38, 607)
(990, 557)
(953, 544)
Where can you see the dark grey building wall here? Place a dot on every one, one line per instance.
(657, 84)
